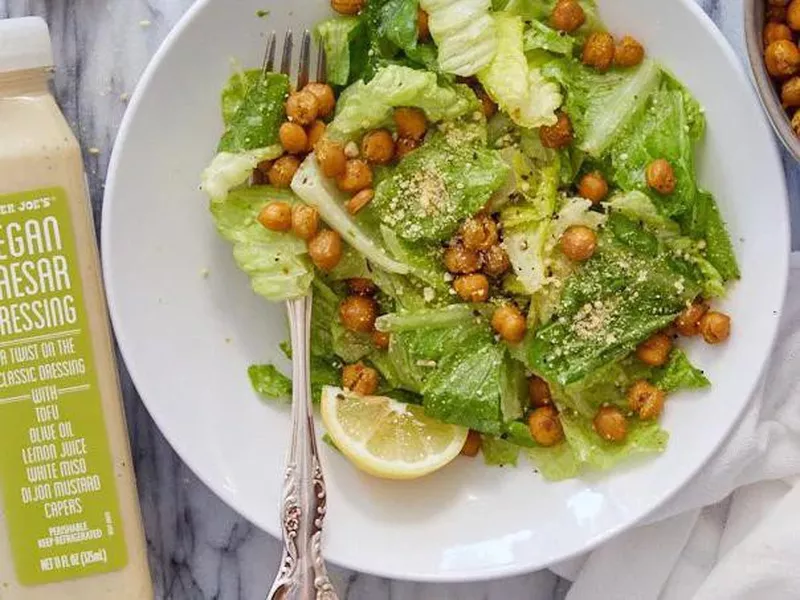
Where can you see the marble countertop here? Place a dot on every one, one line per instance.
(199, 548)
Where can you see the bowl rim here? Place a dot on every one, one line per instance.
(765, 88)
(442, 577)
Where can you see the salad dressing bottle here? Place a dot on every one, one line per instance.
(70, 526)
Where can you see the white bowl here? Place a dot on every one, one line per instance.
(187, 340)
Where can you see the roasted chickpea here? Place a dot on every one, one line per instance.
(793, 15)
(610, 424)
(688, 322)
(359, 201)
(646, 399)
(347, 7)
(293, 138)
(314, 133)
(545, 426)
(411, 123)
(361, 286)
(496, 261)
(593, 186)
(358, 313)
(378, 147)
(539, 392)
(423, 31)
(488, 106)
(282, 171)
(302, 108)
(776, 13)
(325, 249)
(357, 176)
(654, 351)
(305, 221)
(776, 31)
(509, 322)
(381, 339)
(558, 135)
(331, 158)
(472, 445)
(457, 259)
(628, 53)
(472, 288)
(598, 51)
(796, 122)
(782, 58)
(790, 93)
(264, 166)
(567, 16)
(715, 327)
(661, 177)
(404, 146)
(479, 232)
(360, 379)
(276, 216)
(326, 101)
(578, 243)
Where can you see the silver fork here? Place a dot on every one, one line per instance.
(302, 574)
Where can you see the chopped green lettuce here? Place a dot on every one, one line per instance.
(277, 263)
(555, 463)
(706, 224)
(464, 32)
(397, 23)
(525, 94)
(364, 106)
(320, 192)
(432, 318)
(231, 169)
(338, 36)
(268, 381)
(499, 452)
(644, 437)
(679, 374)
(601, 105)
(631, 287)
(539, 36)
(253, 110)
(436, 187)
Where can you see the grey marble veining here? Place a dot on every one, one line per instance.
(199, 548)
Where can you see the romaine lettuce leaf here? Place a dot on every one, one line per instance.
(630, 288)
(524, 93)
(541, 37)
(269, 382)
(436, 187)
(706, 224)
(229, 170)
(320, 192)
(601, 105)
(277, 263)
(337, 36)
(679, 374)
(397, 23)
(555, 463)
(253, 110)
(644, 437)
(499, 452)
(638, 206)
(364, 106)
(464, 33)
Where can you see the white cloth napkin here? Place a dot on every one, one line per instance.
(733, 533)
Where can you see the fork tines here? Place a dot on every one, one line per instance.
(304, 62)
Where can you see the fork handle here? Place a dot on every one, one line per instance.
(302, 574)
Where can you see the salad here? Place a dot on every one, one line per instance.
(495, 206)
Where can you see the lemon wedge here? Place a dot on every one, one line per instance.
(387, 438)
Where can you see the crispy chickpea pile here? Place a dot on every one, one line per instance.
(782, 55)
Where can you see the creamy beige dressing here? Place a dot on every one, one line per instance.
(38, 151)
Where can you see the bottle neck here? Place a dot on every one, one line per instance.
(30, 82)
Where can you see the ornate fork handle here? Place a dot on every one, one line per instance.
(302, 574)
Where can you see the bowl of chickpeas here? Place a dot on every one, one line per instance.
(772, 34)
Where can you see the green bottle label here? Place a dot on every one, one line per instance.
(56, 471)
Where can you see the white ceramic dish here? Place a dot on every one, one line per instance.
(187, 340)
